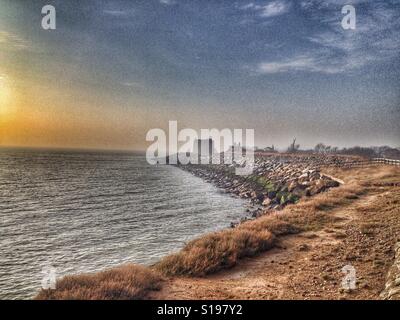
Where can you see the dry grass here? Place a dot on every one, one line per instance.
(216, 251)
(221, 250)
(122, 283)
(309, 214)
(357, 223)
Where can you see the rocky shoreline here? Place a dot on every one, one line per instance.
(274, 183)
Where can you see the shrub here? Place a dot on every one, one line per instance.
(126, 282)
(216, 251)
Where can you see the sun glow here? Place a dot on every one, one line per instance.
(5, 100)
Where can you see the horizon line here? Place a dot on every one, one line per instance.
(66, 148)
(123, 150)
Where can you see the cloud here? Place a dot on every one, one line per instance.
(168, 2)
(13, 41)
(318, 61)
(132, 84)
(298, 63)
(119, 13)
(335, 50)
(321, 4)
(273, 8)
(250, 5)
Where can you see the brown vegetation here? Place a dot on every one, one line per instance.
(122, 283)
(216, 251)
(223, 249)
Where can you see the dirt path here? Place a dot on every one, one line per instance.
(309, 265)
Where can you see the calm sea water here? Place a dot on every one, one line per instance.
(84, 212)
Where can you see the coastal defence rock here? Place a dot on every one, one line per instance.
(274, 183)
(392, 287)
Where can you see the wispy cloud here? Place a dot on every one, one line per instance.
(119, 13)
(275, 8)
(335, 50)
(168, 2)
(271, 9)
(298, 63)
(320, 62)
(320, 4)
(132, 84)
(13, 41)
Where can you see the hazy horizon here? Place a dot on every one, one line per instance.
(113, 70)
(143, 151)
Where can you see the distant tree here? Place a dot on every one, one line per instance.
(320, 147)
(328, 149)
(360, 151)
(293, 147)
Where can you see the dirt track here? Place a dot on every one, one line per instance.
(309, 265)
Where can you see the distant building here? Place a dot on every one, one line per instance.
(270, 149)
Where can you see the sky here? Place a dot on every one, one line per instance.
(112, 70)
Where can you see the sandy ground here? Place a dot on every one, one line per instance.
(309, 265)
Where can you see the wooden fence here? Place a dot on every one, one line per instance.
(386, 161)
(364, 163)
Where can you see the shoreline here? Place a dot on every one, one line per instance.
(354, 225)
(231, 246)
(274, 183)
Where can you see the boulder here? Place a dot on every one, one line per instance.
(271, 194)
(300, 191)
(266, 202)
(331, 183)
(304, 176)
(257, 196)
(293, 185)
(245, 194)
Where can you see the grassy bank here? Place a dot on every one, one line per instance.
(221, 250)
(121, 283)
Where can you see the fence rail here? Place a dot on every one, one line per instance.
(365, 163)
(387, 161)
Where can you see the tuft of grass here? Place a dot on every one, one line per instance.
(274, 223)
(216, 251)
(127, 282)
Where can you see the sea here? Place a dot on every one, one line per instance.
(71, 212)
